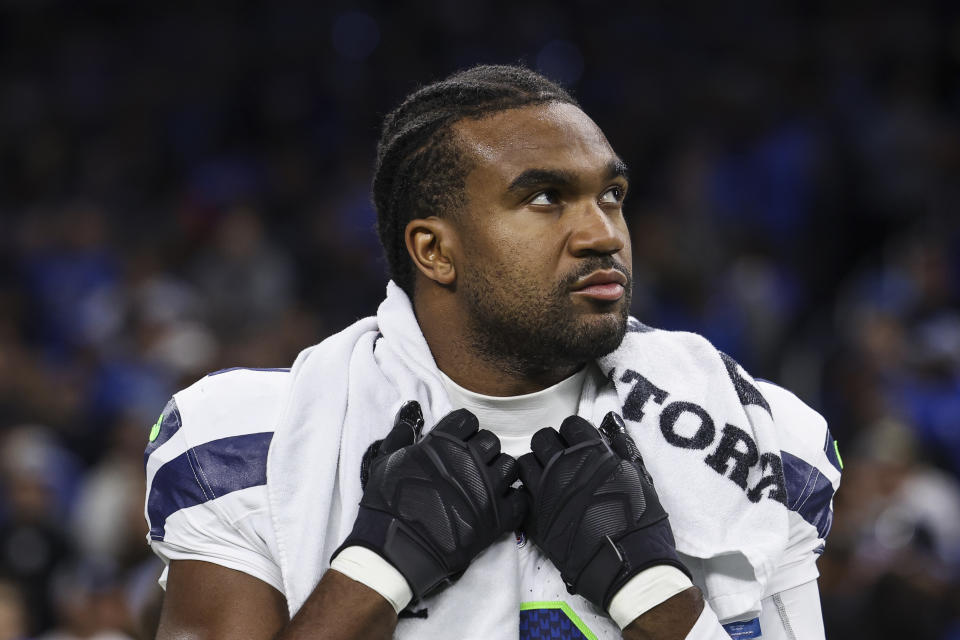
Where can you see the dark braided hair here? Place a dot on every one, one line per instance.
(421, 170)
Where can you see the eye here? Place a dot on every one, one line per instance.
(545, 198)
(613, 195)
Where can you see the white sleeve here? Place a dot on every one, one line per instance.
(228, 533)
(206, 495)
(812, 470)
(793, 614)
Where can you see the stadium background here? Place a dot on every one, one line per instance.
(186, 189)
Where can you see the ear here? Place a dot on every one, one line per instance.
(431, 243)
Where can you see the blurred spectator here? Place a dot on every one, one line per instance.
(13, 612)
(38, 477)
(89, 604)
(897, 533)
(247, 283)
(66, 258)
(107, 513)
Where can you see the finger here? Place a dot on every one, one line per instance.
(411, 413)
(611, 425)
(486, 445)
(545, 444)
(406, 429)
(576, 430)
(530, 471)
(620, 441)
(506, 471)
(460, 423)
(516, 506)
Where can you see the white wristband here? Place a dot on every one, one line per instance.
(646, 590)
(365, 566)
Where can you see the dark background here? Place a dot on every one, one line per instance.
(185, 188)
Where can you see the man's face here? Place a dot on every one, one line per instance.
(545, 266)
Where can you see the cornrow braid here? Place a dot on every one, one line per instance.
(420, 170)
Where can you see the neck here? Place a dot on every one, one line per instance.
(445, 329)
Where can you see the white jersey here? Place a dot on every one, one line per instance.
(207, 500)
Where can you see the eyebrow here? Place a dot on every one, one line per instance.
(618, 169)
(562, 178)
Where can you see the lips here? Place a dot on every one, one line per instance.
(606, 285)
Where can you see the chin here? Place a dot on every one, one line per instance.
(599, 335)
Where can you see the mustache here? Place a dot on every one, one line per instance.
(597, 263)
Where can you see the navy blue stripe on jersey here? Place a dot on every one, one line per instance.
(206, 472)
(280, 369)
(551, 621)
(169, 422)
(808, 492)
(830, 448)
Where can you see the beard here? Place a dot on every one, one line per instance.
(517, 325)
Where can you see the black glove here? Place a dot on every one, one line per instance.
(594, 510)
(430, 507)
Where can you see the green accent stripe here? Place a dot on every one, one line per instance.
(563, 606)
(155, 431)
(836, 448)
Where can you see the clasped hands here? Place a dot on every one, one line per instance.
(432, 503)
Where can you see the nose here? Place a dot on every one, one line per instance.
(596, 232)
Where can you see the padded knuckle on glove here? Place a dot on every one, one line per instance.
(485, 445)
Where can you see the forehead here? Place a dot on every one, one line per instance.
(547, 136)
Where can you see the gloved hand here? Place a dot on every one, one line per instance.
(430, 507)
(594, 510)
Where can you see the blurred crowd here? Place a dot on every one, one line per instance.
(184, 190)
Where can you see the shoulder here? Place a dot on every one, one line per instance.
(231, 402)
(224, 404)
(801, 429)
(212, 440)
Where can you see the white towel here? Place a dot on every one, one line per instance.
(345, 394)
(730, 542)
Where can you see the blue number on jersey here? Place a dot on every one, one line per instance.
(552, 620)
